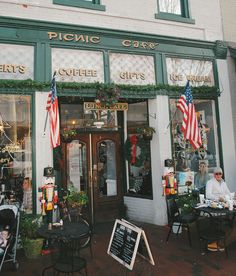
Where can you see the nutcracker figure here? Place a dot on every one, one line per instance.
(49, 195)
(169, 182)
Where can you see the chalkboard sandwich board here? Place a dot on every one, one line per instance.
(124, 243)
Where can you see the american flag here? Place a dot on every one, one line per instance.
(52, 108)
(190, 124)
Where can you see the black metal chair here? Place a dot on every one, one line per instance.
(214, 229)
(176, 218)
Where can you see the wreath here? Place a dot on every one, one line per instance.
(108, 95)
(137, 150)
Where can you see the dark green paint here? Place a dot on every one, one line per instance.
(93, 5)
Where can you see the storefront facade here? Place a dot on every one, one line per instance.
(98, 155)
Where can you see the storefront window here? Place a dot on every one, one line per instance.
(75, 117)
(137, 149)
(15, 149)
(195, 167)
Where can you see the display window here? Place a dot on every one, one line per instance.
(195, 167)
(137, 151)
(16, 150)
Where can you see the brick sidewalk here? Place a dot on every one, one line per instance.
(173, 258)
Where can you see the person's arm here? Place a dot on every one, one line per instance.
(226, 189)
(209, 194)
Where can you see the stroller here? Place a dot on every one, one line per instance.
(10, 220)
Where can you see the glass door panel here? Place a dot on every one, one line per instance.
(77, 165)
(106, 156)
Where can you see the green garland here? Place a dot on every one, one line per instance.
(144, 148)
(162, 89)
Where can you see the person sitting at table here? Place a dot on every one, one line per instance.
(201, 177)
(216, 188)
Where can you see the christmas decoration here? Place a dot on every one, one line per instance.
(137, 150)
(169, 182)
(108, 95)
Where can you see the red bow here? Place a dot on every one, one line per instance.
(133, 140)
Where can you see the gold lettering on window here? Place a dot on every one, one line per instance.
(193, 78)
(132, 75)
(12, 68)
(72, 72)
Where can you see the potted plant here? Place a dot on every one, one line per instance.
(146, 132)
(76, 200)
(31, 242)
(68, 135)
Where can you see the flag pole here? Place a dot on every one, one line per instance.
(45, 124)
(171, 119)
(46, 119)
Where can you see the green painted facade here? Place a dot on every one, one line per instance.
(30, 32)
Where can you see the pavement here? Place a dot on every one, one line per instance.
(173, 258)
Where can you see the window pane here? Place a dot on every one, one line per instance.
(170, 6)
(77, 165)
(138, 151)
(195, 166)
(107, 180)
(73, 116)
(15, 148)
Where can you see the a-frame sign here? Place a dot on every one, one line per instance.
(126, 241)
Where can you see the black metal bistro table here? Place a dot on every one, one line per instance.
(69, 230)
(67, 239)
(215, 224)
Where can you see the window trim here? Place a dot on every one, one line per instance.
(93, 5)
(184, 17)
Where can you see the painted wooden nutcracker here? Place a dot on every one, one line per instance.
(169, 182)
(49, 195)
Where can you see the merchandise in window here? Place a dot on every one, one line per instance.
(195, 167)
(174, 10)
(16, 150)
(86, 4)
(137, 151)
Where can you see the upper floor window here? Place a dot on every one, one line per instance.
(170, 6)
(175, 10)
(86, 4)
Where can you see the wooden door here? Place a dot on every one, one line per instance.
(94, 165)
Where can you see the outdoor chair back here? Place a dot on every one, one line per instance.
(176, 218)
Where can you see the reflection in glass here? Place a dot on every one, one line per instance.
(107, 183)
(73, 116)
(77, 165)
(15, 148)
(187, 160)
(140, 176)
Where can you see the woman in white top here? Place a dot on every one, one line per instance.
(216, 188)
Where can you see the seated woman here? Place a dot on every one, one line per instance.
(201, 177)
(216, 188)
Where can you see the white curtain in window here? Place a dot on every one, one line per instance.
(170, 6)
